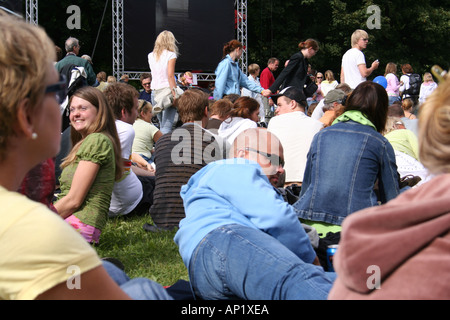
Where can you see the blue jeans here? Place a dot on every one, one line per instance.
(166, 119)
(137, 288)
(393, 99)
(238, 262)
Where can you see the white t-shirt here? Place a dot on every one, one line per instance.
(350, 62)
(127, 193)
(296, 131)
(159, 69)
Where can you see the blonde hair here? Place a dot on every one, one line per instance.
(104, 123)
(358, 34)
(253, 68)
(25, 55)
(144, 106)
(329, 75)
(165, 41)
(434, 130)
(392, 124)
(390, 68)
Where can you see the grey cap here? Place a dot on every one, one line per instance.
(334, 95)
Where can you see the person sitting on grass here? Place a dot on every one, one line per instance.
(240, 239)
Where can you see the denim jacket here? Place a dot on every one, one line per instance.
(343, 164)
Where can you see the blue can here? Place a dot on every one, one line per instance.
(330, 253)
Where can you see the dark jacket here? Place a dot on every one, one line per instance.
(294, 75)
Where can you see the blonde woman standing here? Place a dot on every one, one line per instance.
(162, 62)
(329, 83)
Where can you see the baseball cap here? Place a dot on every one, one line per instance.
(334, 95)
(292, 93)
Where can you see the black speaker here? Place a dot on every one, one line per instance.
(15, 6)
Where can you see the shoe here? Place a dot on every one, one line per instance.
(409, 180)
(152, 228)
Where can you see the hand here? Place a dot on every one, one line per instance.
(375, 64)
(266, 93)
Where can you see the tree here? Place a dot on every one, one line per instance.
(410, 31)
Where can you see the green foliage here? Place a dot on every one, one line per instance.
(411, 31)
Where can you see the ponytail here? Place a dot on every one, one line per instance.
(231, 46)
(310, 43)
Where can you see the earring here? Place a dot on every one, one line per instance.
(34, 136)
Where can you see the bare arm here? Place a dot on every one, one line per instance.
(365, 72)
(171, 74)
(157, 135)
(142, 165)
(342, 75)
(96, 284)
(82, 181)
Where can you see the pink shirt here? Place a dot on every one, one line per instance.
(392, 84)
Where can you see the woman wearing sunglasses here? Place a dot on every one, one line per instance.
(41, 256)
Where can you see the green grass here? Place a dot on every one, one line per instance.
(144, 254)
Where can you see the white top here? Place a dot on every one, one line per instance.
(350, 62)
(160, 78)
(127, 193)
(318, 111)
(257, 96)
(405, 86)
(230, 128)
(327, 86)
(296, 132)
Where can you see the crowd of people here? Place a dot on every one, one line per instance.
(257, 175)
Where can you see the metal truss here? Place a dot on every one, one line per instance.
(118, 41)
(118, 36)
(32, 11)
(241, 16)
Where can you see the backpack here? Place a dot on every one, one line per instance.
(414, 84)
(76, 78)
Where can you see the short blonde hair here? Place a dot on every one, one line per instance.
(253, 68)
(144, 106)
(434, 130)
(25, 55)
(358, 34)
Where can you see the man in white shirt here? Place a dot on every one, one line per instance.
(353, 68)
(132, 194)
(295, 130)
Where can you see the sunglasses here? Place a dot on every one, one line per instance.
(274, 159)
(60, 88)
